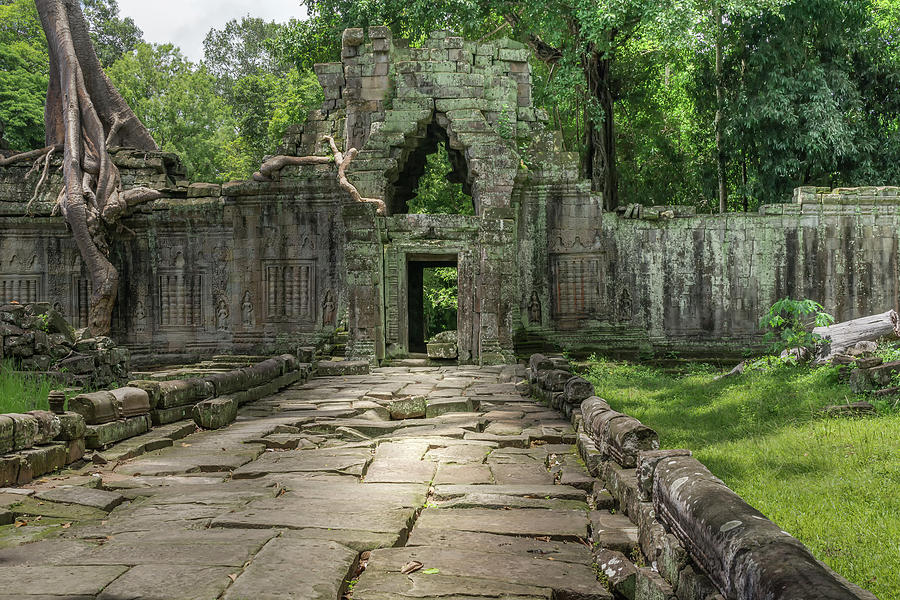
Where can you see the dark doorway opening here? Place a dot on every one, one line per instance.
(433, 305)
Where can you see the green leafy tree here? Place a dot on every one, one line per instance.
(112, 35)
(789, 323)
(24, 74)
(440, 300)
(241, 49)
(179, 104)
(265, 105)
(266, 93)
(435, 193)
(812, 92)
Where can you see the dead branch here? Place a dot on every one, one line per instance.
(270, 169)
(30, 155)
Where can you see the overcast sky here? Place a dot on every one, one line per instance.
(186, 22)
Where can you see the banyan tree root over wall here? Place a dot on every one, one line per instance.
(270, 170)
(85, 115)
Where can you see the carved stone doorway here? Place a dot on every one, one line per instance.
(415, 313)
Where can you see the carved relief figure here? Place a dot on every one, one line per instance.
(329, 309)
(222, 313)
(247, 310)
(624, 309)
(140, 316)
(534, 309)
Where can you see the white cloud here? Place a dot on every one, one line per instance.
(186, 22)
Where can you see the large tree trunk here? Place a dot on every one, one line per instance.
(842, 336)
(720, 113)
(86, 114)
(601, 137)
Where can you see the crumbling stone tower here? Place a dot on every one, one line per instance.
(395, 103)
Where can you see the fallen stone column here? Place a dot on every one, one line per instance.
(131, 401)
(745, 554)
(96, 407)
(616, 435)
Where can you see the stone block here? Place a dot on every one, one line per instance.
(578, 389)
(553, 380)
(163, 416)
(198, 190)
(330, 368)
(40, 461)
(48, 426)
(74, 450)
(620, 572)
(441, 406)
(83, 496)
(646, 465)
(650, 586)
(179, 392)
(7, 434)
(100, 436)
(411, 407)
(131, 401)
(9, 469)
(96, 407)
(80, 364)
(215, 413)
(353, 36)
(25, 429)
(71, 426)
(441, 351)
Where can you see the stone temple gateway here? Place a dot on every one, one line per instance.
(255, 266)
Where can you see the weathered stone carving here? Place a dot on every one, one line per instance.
(329, 309)
(534, 309)
(221, 313)
(247, 310)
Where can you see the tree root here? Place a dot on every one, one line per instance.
(84, 116)
(270, 170)
(30, 155)
(37, 188)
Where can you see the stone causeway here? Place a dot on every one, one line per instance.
(315, 490)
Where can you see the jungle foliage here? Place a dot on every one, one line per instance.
(804, 91)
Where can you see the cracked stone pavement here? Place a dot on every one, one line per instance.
(315, 493)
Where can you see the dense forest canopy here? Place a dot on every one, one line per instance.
(663, 102)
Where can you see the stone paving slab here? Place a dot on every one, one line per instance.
(280, 503)
(555, 524)
(184, 582)
(489, 542)
(29, 581)
(74, 494)
(564, 578)
(291, 568)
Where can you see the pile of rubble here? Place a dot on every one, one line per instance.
(38, 338)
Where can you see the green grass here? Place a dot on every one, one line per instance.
(21, 392)
(834, 483)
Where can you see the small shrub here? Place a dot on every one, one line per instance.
(788, 324)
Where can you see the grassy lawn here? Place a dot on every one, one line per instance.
(834, 483)
(21, 393)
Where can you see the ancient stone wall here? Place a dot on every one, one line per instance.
(265, 266)
(700, 283)
(206, 269)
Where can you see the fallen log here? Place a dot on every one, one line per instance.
(841, 336)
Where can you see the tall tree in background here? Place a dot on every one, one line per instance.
(23, 76)
(84, 114)
(266, 93)
(112, 35)
(180, 106)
